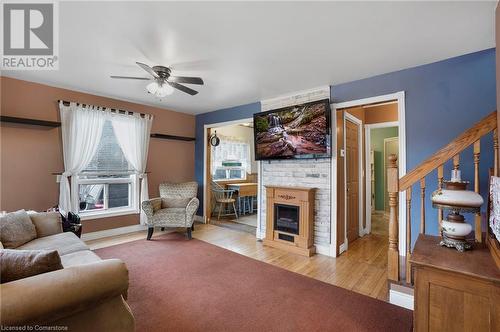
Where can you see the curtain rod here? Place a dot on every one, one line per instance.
(67, 103)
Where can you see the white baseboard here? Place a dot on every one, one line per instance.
(401, 299)
(259, 234)
(324, 249)
(112, 232)
(342, 248)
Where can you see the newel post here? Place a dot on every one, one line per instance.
(393, 190)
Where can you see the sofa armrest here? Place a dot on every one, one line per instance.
(46, 223)
(151, 206)
(51, 296)
(192, 206)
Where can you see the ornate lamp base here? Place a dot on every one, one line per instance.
(459, 244)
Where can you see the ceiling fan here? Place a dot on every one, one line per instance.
(163, 84)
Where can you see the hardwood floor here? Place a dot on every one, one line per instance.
(363, 268)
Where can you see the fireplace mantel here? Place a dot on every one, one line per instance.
(298, 200)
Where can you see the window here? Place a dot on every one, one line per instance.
(230, 159)
(107, 186)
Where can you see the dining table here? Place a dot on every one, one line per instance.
(245, 191)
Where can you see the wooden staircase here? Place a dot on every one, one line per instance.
(399, 270)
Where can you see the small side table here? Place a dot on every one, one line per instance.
(454, 291)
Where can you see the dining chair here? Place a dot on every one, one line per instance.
(224, 199)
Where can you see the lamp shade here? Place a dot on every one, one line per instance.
(460, 199)
(159, 89)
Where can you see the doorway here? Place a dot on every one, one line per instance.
(231, 176)
(353, 176)
(369, 114)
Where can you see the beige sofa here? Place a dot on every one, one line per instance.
(87, 295)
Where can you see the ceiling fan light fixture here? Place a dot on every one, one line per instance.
(164, 90)
(152, 87)
(159, 89)
(163, 84)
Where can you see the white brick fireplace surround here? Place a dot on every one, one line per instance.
(312, 173)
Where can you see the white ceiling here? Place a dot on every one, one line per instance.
(249, 51)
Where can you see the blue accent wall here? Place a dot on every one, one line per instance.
(442, 100)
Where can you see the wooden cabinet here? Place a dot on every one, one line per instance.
(454, 291)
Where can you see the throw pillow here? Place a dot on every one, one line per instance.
(16, 229)
(47, 223)
(19, 264)
(174, 202)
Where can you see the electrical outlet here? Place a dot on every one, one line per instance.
(342, 152)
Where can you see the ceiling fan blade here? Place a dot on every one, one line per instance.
(183, 88)
(188, 80)
(148, 69)
(132, 78)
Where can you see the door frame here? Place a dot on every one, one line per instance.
(400, 98)
(206, 189)
(359, 123)
(368, 175)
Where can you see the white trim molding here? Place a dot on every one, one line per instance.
(258, 234)
(112, 232)
(398, 97)
(401, 299)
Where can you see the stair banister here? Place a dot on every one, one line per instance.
(395, 185)
(486, 125)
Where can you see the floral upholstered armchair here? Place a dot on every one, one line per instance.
(175, 207)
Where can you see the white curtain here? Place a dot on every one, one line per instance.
(132, 133)
(81, 131)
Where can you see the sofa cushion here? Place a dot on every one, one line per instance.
(64, 243)
(174, 202)
(79, 258)
(18, 264)
(16, 229)
(46, 223)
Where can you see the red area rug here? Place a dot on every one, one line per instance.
(180, 285)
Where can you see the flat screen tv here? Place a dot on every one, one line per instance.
(299, 131)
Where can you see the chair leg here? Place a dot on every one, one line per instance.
(192, 226)
(220, 209)
(235, 213)
(189, 235)
(150, 232)
(163, 229)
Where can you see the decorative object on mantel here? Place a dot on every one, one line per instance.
(456, 199)
(290, 219)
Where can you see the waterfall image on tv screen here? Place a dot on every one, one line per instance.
(299, 131)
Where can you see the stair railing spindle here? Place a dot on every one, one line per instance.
(408, 235)
(422, 206)
(477, 217)
(393, 191)
(440, 186)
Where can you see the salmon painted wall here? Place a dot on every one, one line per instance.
(29, 154)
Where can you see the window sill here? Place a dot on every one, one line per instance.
(107, 214)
